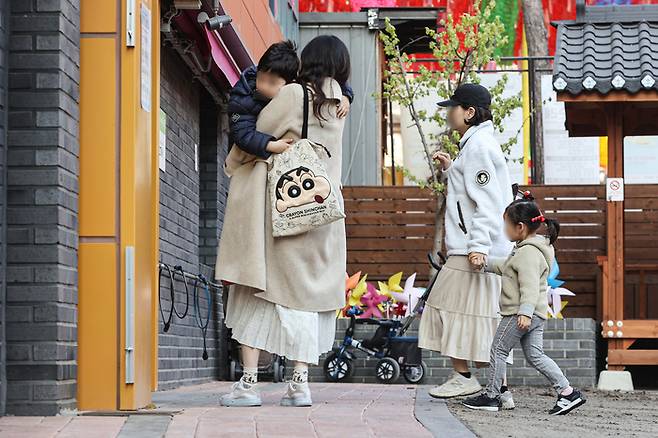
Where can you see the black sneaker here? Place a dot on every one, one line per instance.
(567, 403)
(483, 402)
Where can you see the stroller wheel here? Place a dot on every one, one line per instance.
(415, 373)
(387, 370)
(337, 368)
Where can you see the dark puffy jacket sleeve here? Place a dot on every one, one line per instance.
(347, 91)
(243, 129)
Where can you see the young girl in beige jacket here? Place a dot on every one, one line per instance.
(524, 305)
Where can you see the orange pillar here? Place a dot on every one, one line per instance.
(119, 199)
(613, 308)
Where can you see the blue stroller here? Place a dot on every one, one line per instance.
(397, 354)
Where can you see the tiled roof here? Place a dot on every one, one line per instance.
(594, 55)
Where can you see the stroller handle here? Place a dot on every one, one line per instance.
(434, 264)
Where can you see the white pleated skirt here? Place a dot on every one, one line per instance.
(294, 334)
(461, 315)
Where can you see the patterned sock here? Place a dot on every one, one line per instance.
(567, 391)
(250, 375)
(300, 374)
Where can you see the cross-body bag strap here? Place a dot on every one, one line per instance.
(305, 122)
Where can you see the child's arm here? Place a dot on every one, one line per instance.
(347, 91)
(243, 130)
(529, 264)
(495, 265)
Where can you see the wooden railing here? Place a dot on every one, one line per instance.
(391, 229)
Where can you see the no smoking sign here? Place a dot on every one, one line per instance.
(615, 189)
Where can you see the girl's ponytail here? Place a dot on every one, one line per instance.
(553, 228)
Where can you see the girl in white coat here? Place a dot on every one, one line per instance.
(461, 314)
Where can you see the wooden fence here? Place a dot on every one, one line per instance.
(391, 229)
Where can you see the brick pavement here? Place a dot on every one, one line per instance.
(355, 410)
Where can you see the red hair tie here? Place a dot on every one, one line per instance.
(539, 218)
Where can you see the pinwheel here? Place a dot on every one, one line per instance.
(350, 284)
(392, 288)
(358, 291)
(372, 301)
(555, 292)
(412, 293)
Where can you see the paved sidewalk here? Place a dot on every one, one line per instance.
(343, 409)
(356, 410)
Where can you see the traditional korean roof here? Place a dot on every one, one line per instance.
(607, 48)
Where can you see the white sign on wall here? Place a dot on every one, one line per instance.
(641, 160)
(614, 189)
(162, 144)
(146, 59)
(567, 160)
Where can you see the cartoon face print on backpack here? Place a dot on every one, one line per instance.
(299, 187)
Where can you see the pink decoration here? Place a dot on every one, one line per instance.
(372, 301)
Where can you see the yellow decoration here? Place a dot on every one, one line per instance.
(559, 314)
(357, 292)
(393, 285)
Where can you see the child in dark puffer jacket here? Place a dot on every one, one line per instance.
(257, 86)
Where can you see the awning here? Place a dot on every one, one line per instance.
(213, 55)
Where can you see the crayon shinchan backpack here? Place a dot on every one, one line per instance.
(302, 195)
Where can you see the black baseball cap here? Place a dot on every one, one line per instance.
(469, 95)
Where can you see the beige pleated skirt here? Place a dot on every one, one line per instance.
(294, 334)
(461, 315)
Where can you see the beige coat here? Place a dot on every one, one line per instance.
(303, 272)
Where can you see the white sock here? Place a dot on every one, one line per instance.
(250, 375)
(300, 374)
(567, 391)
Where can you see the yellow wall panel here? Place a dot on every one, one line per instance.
(98, 16)
(98, 137)
(97, 330)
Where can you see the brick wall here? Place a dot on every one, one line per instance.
(571, 343)
(191, 202)
(4, 21)
(42, 206)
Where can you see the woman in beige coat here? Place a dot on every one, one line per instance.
(285, 290)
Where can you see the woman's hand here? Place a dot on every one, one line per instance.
(477, 260)
(279, 146)
(443, 158)
(343, 107)
(523, 322)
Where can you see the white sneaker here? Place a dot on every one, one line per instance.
(506, 400)
(242, 394)
(297, 394)
(457, 385)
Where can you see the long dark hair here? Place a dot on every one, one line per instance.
(324, 56)
(527, 211)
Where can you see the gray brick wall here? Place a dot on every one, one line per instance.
(571, 343)
(190, 204)
(4, 38)
(42, 210)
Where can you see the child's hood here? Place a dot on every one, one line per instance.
(543, 245)
(246, 85)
